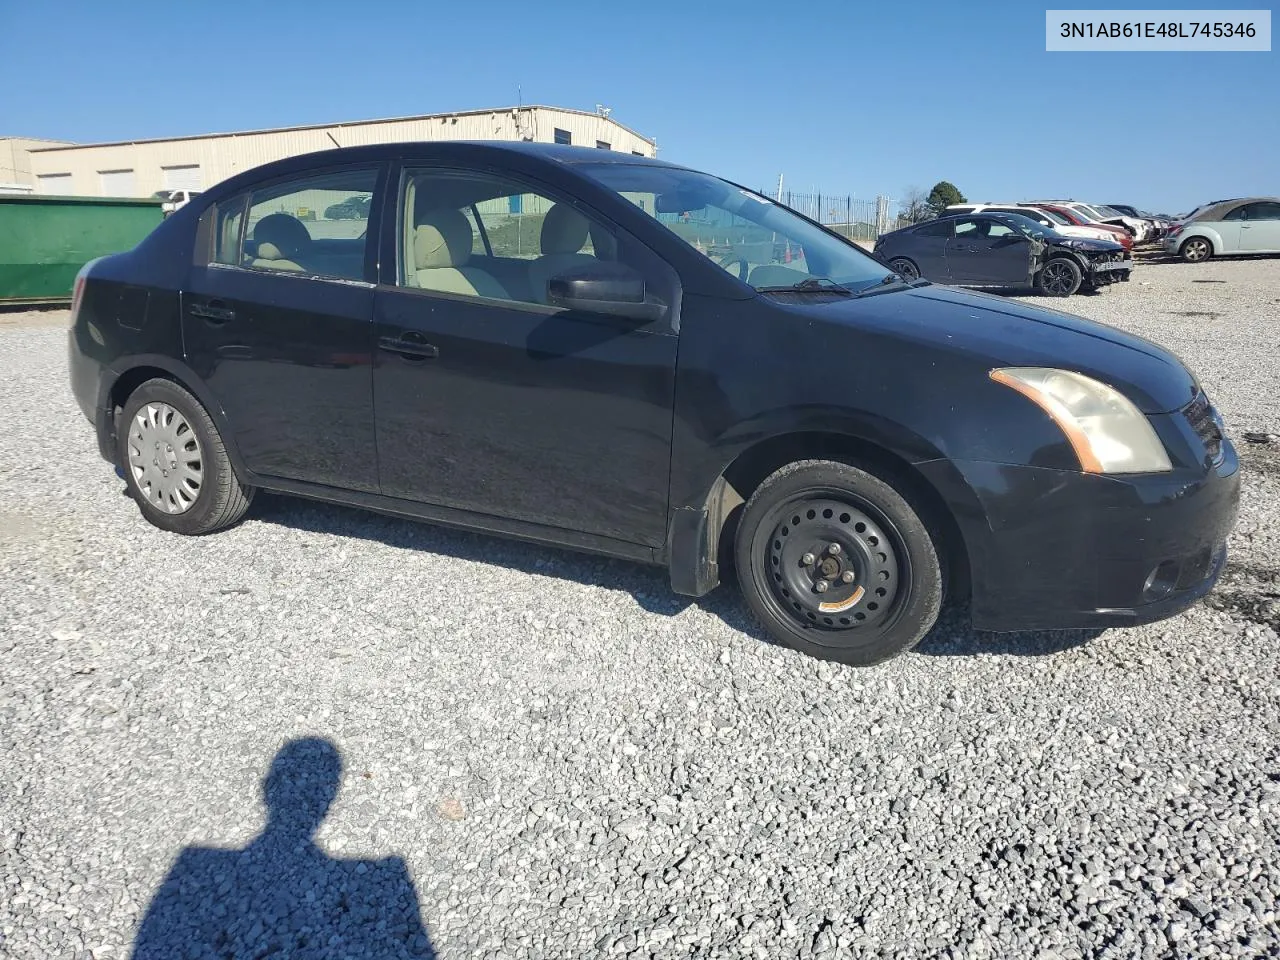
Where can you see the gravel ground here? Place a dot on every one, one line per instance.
(533, 754)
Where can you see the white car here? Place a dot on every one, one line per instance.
(1138, 229)
(175, 199)
(1046, 218)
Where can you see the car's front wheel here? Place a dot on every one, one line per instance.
(904, 268)
(1196, 250)
(175, 463)
(836, 563)
(1060, 277)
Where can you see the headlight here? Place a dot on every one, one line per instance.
(1108, 433)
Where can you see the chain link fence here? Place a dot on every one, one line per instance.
(856, 219)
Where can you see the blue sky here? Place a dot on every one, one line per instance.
(849, 97)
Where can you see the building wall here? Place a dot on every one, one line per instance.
(15, 159)
(222, 156)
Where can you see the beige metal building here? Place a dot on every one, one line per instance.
(15, 162)
(140, 168)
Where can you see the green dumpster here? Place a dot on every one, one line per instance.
(44, 241)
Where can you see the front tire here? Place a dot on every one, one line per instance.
(175, 463)
(1196, 250)
(905, 268)
(1060, 277)
(835, 563)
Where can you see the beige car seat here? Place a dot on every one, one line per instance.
(442, 242)
(282, 241)
(564, 233)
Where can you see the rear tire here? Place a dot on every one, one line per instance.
(821, 522)
(175, 463)
(1060, 277)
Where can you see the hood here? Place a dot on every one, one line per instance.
(1005, 333)
(1085, 244)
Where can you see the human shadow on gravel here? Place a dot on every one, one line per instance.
(281, 896)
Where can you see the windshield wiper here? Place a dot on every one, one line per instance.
(810, 285)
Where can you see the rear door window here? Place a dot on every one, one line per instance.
(315, 225)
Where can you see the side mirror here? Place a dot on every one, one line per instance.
(611, 289)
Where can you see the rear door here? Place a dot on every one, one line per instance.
(1260, 228)
(986, 252)
(277, 320)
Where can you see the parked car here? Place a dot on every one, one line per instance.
(352, 208)
(1228, 228)
(1118, 233)
(174, 199)
(1159, 224)
(1050, 220)
(862, 446)
(1091, 214)
(1002, 250)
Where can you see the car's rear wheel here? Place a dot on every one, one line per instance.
(1060, 277)
(175, 463)
(1196, 250)
(836, 563)
(904, 268)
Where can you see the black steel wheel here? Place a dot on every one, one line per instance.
(904, 268)
(1060, 277)
(836, 563)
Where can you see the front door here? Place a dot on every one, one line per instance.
(1260, 230)
(278, 323)
(491, 401)
(986, 252)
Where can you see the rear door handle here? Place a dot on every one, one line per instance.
(410, 345)
(215, 311)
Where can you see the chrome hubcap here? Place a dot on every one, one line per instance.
(165, 459)
(904, 269)
(1196, 250)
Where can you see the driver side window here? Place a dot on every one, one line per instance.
(485, 235)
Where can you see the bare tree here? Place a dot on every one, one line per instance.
(914, 206)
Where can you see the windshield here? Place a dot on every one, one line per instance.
(1050, 215)
(749, 236)
(1026, 226)
(1093, 212)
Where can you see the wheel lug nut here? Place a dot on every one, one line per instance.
(847, 576)
(808, 559)
(821, 586)
(834, 549)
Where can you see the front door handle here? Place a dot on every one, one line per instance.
(215, 311)
(410, 345)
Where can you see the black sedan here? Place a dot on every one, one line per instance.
(625, 356)
(1003, 250)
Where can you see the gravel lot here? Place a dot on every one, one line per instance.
(551, 756)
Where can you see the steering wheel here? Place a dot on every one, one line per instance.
(739, 262)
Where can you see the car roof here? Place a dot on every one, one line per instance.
(462, 151)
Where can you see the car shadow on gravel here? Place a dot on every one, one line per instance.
(952, 636)
(282, 896)
(648, 585)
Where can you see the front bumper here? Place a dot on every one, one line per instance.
(1057, 549)
(1102, 273)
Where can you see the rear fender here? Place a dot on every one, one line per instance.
(136, 365)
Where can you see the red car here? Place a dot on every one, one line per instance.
(1121, 234)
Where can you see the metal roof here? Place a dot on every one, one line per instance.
(340, 125)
